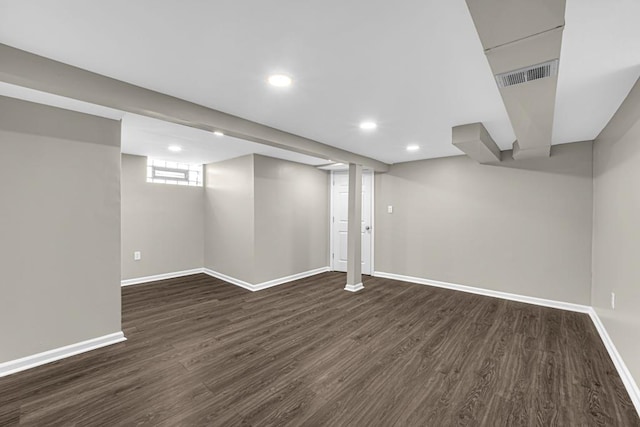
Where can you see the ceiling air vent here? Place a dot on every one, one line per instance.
(527, 74)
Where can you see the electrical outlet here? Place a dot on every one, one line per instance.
(389, 209)
(613, 300)
(137, 256)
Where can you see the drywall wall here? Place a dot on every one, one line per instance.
(60, 228)
(520, 226)
(291, 218)
(164, 222)
(229, 218)
(265, 218)
(616, 230)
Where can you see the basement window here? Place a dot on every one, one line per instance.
(175, 173)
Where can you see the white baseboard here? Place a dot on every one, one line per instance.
(487, 292)
(28, 362)
(267, 284)
(172, 275)
(229, 279)
(281, 280)
(354, 288)
(621, 367)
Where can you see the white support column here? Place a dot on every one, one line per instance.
(354, 231)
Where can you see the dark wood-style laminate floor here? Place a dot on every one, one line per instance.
(203, 352)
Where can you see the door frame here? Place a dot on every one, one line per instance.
(373, 219)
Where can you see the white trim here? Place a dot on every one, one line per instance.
(331, 225)
(372, 208)
(275, 282)
(28, 362)
(354, 288)
(481, 291)
(229, 279)
(154, 278)
(621, 367)
(373, 221)
(267, 284)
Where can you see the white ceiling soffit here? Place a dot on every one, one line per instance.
(335, 167)
(474, 140)
(145, 136)
(149, 137)
(500, 22)
(522, 39)
(416, 67)
(26, 94)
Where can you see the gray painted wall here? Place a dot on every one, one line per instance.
(522, 227)
(164, 222)
(229, 218)
(616, 230)
(265, 218)
(60, 228)
(291, 218)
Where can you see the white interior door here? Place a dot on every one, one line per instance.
(340, 220)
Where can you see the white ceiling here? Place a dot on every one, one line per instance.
(415, 66)
(145, 136)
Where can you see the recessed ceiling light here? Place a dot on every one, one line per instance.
(218, 133)
(368, 125)
(280, 80)
(175, 148)
(413, 147)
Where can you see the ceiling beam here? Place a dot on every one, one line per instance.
(521, 40)
(474, 140)
(36, 72)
